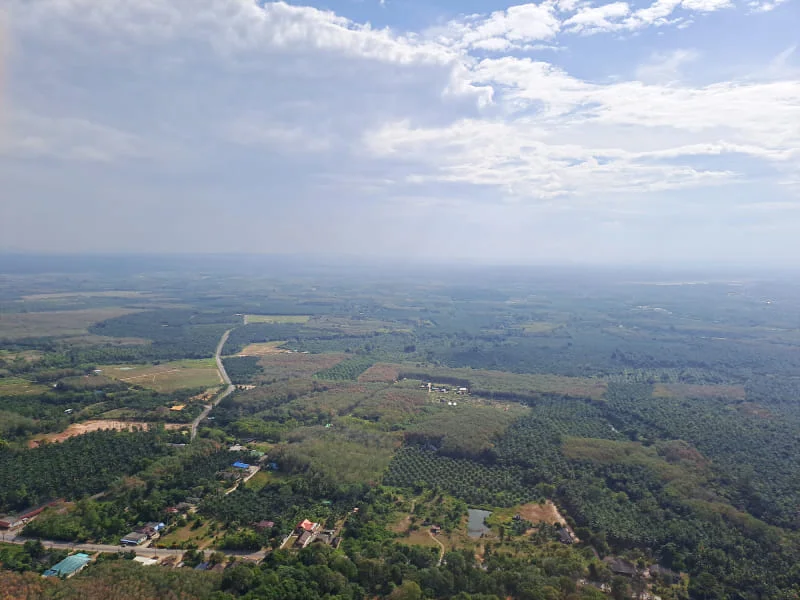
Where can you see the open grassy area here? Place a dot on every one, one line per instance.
(686, 390)
(353, 456)
(202, 536)
(56, 323)
(297, 364)
(16, 386)
(276, 318)
(262, 349)
(258, 481)
(500, 383)
(537, 327)
(168, 376)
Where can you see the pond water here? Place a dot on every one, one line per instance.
(475, 525)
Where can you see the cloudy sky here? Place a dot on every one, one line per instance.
(563, 130)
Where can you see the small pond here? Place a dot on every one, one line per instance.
(476, 526)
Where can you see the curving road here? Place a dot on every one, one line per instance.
(222, 373)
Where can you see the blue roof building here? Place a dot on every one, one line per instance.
(241, 465)
(69, 566)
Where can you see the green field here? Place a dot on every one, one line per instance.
(276, 318)
(55, 324)
(168, 376)
(16, 386)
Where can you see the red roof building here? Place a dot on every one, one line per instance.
(307, 525)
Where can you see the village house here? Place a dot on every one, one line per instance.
(264, 525)
(134, 538)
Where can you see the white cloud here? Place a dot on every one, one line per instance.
(665, 67)
(417, 109)
(765, 6)
(515, 27)
(598, 18)
(30, 136)
(230, 25)
(258, 130)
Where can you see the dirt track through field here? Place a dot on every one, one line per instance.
(87, 426)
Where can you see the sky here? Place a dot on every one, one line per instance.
(560, 131)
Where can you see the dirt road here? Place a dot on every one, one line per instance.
(227, 380)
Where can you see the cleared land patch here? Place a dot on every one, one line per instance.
(534, 512)
(263, 349)
(297, 364)
(169, 376)
(276, 319)
(381, 372)
(16, 386)
(56, 323)
(686, 390)
(87, 426)
(536, 327)
(503, 385)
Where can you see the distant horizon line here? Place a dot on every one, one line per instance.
(354, 260)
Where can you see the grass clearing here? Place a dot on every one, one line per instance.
(297, 364)
(539, 327)
(464, 430)
(276, 319)
(380, 372)
(56, 323)
(16, 386)
(263, 349)
(258, 481)
(686, 390)
(201, 536)
(500, 384)
(354, 456)
(168, 376)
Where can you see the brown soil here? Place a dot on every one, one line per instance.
(380, 373)
(87, 426)
(687, 390)
(541, 513)
(263, 349)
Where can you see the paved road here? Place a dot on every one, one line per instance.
(139, 550)
(224, 374)
(10, 538)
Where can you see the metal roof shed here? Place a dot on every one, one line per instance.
(69, 566)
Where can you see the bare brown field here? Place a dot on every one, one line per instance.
(380, 372)
(87, 426)
(56, 323)
(297, 364)
(263, 349)
(686, 390)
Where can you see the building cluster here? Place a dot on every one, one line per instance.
(20, 519)
(148, 531)
(308, 532)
